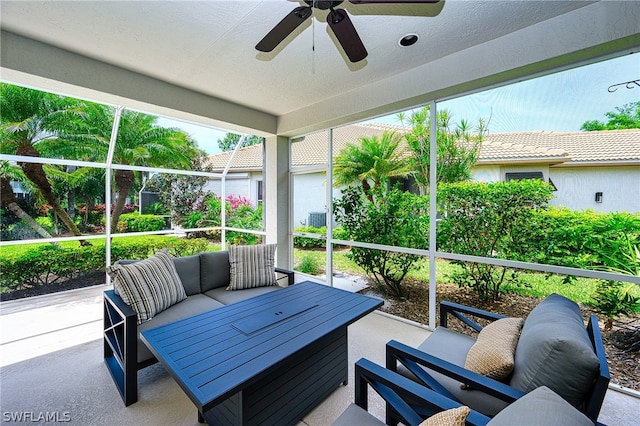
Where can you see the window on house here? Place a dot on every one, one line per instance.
(260, 189)
(523, 175)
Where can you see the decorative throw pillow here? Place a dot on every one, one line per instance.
(149, 286)
(452, 417)
(493, 353)
(252, 266)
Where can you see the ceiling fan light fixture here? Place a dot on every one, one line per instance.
(408, 40)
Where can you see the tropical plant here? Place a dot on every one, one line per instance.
(626, 117)
(140, 142)
(231, 140)
(8, 199)
(620, 254)
(185, 194)
(457, 147)
(394, 218)
(369, 162)
(31, 121)
(614, 298)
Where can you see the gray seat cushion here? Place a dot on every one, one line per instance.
(227, 297)
(540, 407)
(554, 350)
(356, 416)
(214, 270)
(453, 347)
(192, 305)
(188, 268)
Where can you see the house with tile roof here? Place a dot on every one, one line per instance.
(589, 170)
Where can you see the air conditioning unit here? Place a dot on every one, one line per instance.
(317, 219)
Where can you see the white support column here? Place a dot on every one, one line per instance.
(433, 159)
(107, 188)
(276, 198)
(329, 214)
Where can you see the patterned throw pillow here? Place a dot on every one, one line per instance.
(451, 417)
(493, 353)
(252, 266)
(149, 286)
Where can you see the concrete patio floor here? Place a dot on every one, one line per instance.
(41, 325)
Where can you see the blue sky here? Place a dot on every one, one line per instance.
(558, 102)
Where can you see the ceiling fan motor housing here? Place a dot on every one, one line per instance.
(323, 4)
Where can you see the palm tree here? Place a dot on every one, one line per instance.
(140, 142)
(457, 149)
(371, 161)
(29, 121)
(8, 199)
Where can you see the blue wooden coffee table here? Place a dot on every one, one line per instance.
(270, 359)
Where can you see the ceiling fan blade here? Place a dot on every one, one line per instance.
(285, 27)
(347, 35)
(393, 1)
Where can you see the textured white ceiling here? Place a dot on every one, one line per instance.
(208, 46)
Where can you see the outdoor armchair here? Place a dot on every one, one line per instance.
(554, 349)
(412, 404)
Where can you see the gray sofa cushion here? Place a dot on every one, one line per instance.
(188, 268)
(192, 305)
(540, 407)
(221, 294)
(214, 270)
(554, 350)
(453, 347)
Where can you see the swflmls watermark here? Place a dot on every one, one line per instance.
(36, 416)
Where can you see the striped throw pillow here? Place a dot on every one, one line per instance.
(149, 286)
(252, 266)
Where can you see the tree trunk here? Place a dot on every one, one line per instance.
(8, 198)
(71, 196)
(367, 189)
(124, 181)
(36, 174)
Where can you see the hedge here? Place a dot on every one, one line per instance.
(581, 239)
(136, 222)
(47, 264)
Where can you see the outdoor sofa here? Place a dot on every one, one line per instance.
(210, 280)
(552, 348)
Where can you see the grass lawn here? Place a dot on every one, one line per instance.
(533, 284)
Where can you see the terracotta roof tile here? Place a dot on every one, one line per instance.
(619, 146)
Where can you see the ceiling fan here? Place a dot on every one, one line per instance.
(338, 21)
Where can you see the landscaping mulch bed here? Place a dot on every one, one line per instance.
(86, 280)
(622, 343)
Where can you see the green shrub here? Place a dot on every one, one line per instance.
(581, 239)
(156, 209)
(394, 218)
(308, 265)
(44, 264)
(307, 243)
(136, 222)
(484, 219)
(613, 299)
(46, 223)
